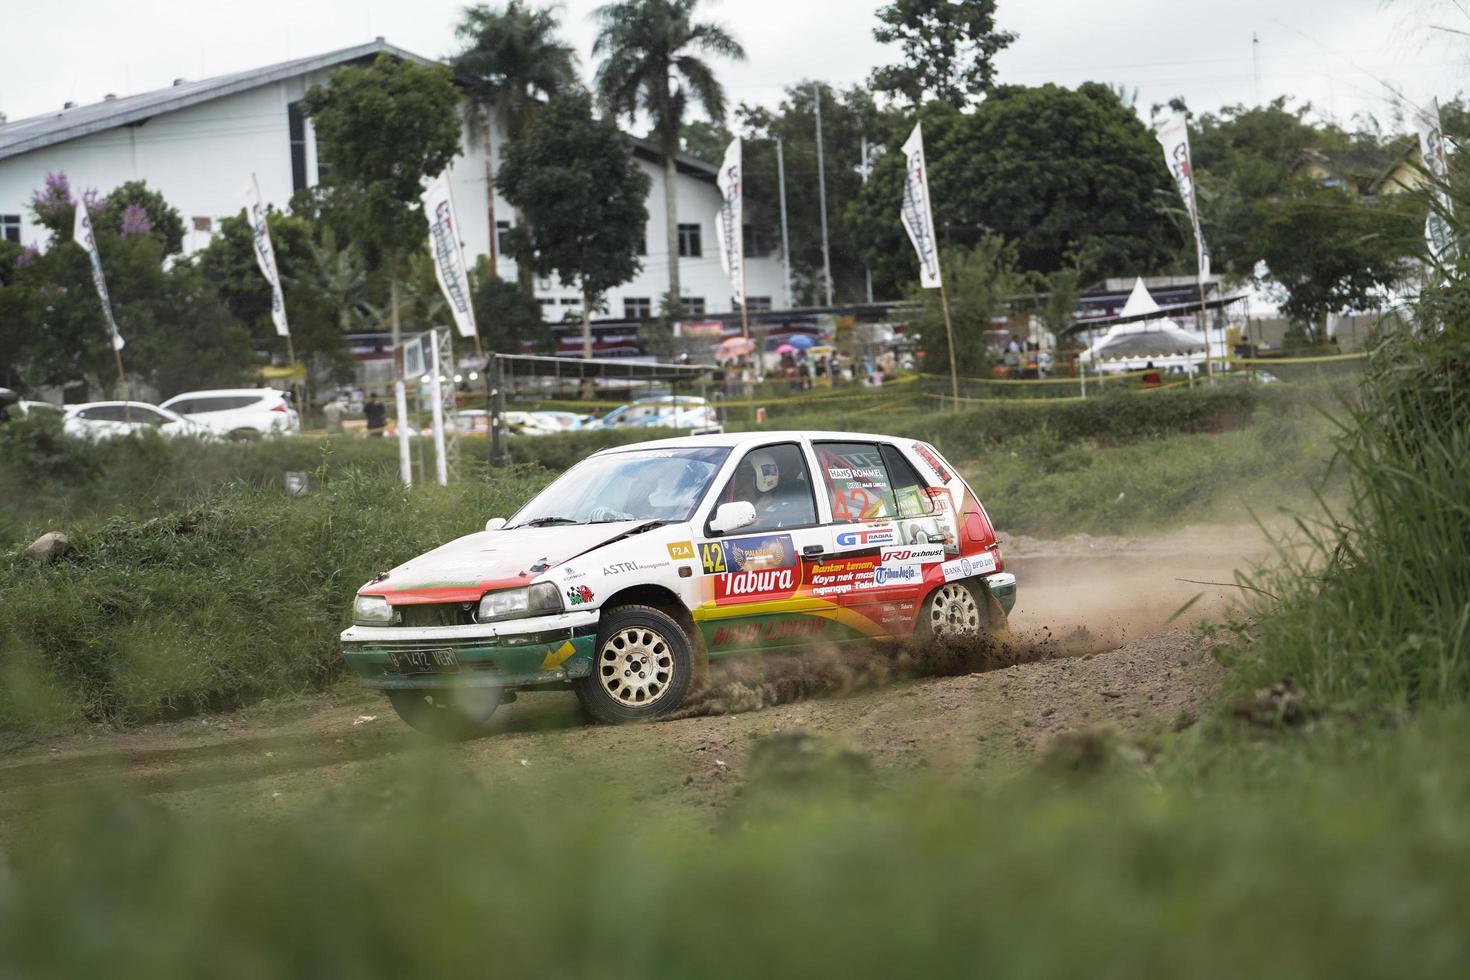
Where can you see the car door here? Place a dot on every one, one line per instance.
(755, 589)
(874, 503)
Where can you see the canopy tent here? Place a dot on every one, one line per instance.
(1140, 339)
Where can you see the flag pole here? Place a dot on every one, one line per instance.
(1204, 319)
(954, 373)
(122, 384)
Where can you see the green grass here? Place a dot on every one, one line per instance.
(1341, 853)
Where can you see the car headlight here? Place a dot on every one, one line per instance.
(539, 600)
(373, 610)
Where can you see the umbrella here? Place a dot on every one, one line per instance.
(802, 341)
(785, 349)
(735, 347)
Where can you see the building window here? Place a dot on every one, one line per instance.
(547, 302)
(10, 228)
(637, 308)
(689, 244)
(202, 224)
(693, 305)
(502, 237)
(296, 125)
(755, 244)
(756, 304)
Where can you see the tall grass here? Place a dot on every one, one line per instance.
(1375, 599)
(237, 597)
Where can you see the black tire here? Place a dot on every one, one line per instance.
(955, 609)
(244, 435)
(630, 637)
(447, 713)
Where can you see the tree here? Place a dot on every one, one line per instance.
(1332, 253)
(511, 319)
(382, 129)
(848, 117)
(651, 62)
(979, 280)
(1059, 172)
(586, 199)
(949, 49)
(513, 60)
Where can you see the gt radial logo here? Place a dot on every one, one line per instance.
(867, 538)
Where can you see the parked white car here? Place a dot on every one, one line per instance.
(668, 411)
(618, 577)
(238, 413)
(107, 420)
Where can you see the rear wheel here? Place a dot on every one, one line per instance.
(641, 669)
(952, 610)
(448, 713)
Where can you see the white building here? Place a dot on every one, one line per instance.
(198, 143)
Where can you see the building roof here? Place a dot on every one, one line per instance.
(36, 132)
(1365, 167)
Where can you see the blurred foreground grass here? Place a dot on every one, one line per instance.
(1217, 853)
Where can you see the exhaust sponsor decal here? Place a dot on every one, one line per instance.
(981, 564)
(915, 554)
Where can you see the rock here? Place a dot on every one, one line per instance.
(48, 547)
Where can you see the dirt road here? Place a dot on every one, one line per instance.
(1097, 651)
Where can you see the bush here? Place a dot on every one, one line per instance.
(1375, 600)
(238, 597)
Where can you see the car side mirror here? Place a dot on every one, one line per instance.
(495, 524)
(732, 517)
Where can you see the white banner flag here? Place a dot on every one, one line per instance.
(82, 234)
(918, 213)
(730, 220)
(1173, 136)
(265, 255)
(1432, 152)
(449, 267)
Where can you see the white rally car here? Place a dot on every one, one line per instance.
(623, 575)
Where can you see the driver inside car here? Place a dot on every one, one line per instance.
(778, 503)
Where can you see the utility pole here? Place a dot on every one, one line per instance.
(785, 233)
(867, 269)
(1255, 68)
(822, 194)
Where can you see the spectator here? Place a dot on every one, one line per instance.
(377, 415)
(332, 414)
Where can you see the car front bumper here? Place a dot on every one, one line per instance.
(1003, 587)
(520, 653)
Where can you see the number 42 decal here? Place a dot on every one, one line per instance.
(712, 557)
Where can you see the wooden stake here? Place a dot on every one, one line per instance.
(954, 371)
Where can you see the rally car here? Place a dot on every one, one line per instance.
(639, 564)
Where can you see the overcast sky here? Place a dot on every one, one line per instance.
(1337, 54)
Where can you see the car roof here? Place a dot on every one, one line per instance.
(225, 391)
(81, 405)
(737, 440)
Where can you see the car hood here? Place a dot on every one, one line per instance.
(465, 569)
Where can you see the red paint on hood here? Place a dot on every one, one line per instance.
(465, 569)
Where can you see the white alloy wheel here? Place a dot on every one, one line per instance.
(953, 611)
(635, 666)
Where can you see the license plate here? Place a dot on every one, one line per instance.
(423, 661)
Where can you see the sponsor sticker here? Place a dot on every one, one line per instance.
(579, 595)
(931, 459)
(897, 575)
(867, 537)
(681, 550)
(914, 554)
(748, 554)
(981, 564)
(618, 568)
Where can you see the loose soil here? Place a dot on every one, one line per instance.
(1095, 648)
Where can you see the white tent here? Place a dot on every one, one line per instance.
(1132, 345)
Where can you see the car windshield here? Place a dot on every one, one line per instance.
(636, 485)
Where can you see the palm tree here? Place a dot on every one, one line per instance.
(513, 60)
(650, 52)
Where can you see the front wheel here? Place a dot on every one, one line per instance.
(642, 667)
(952, 610)
(447, 713)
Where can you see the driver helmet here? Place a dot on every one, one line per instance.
(767, 473)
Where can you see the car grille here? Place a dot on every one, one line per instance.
(437, 614)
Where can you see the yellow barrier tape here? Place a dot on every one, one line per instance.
(1279, 361)
(1091, 379)
(1009, 401)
